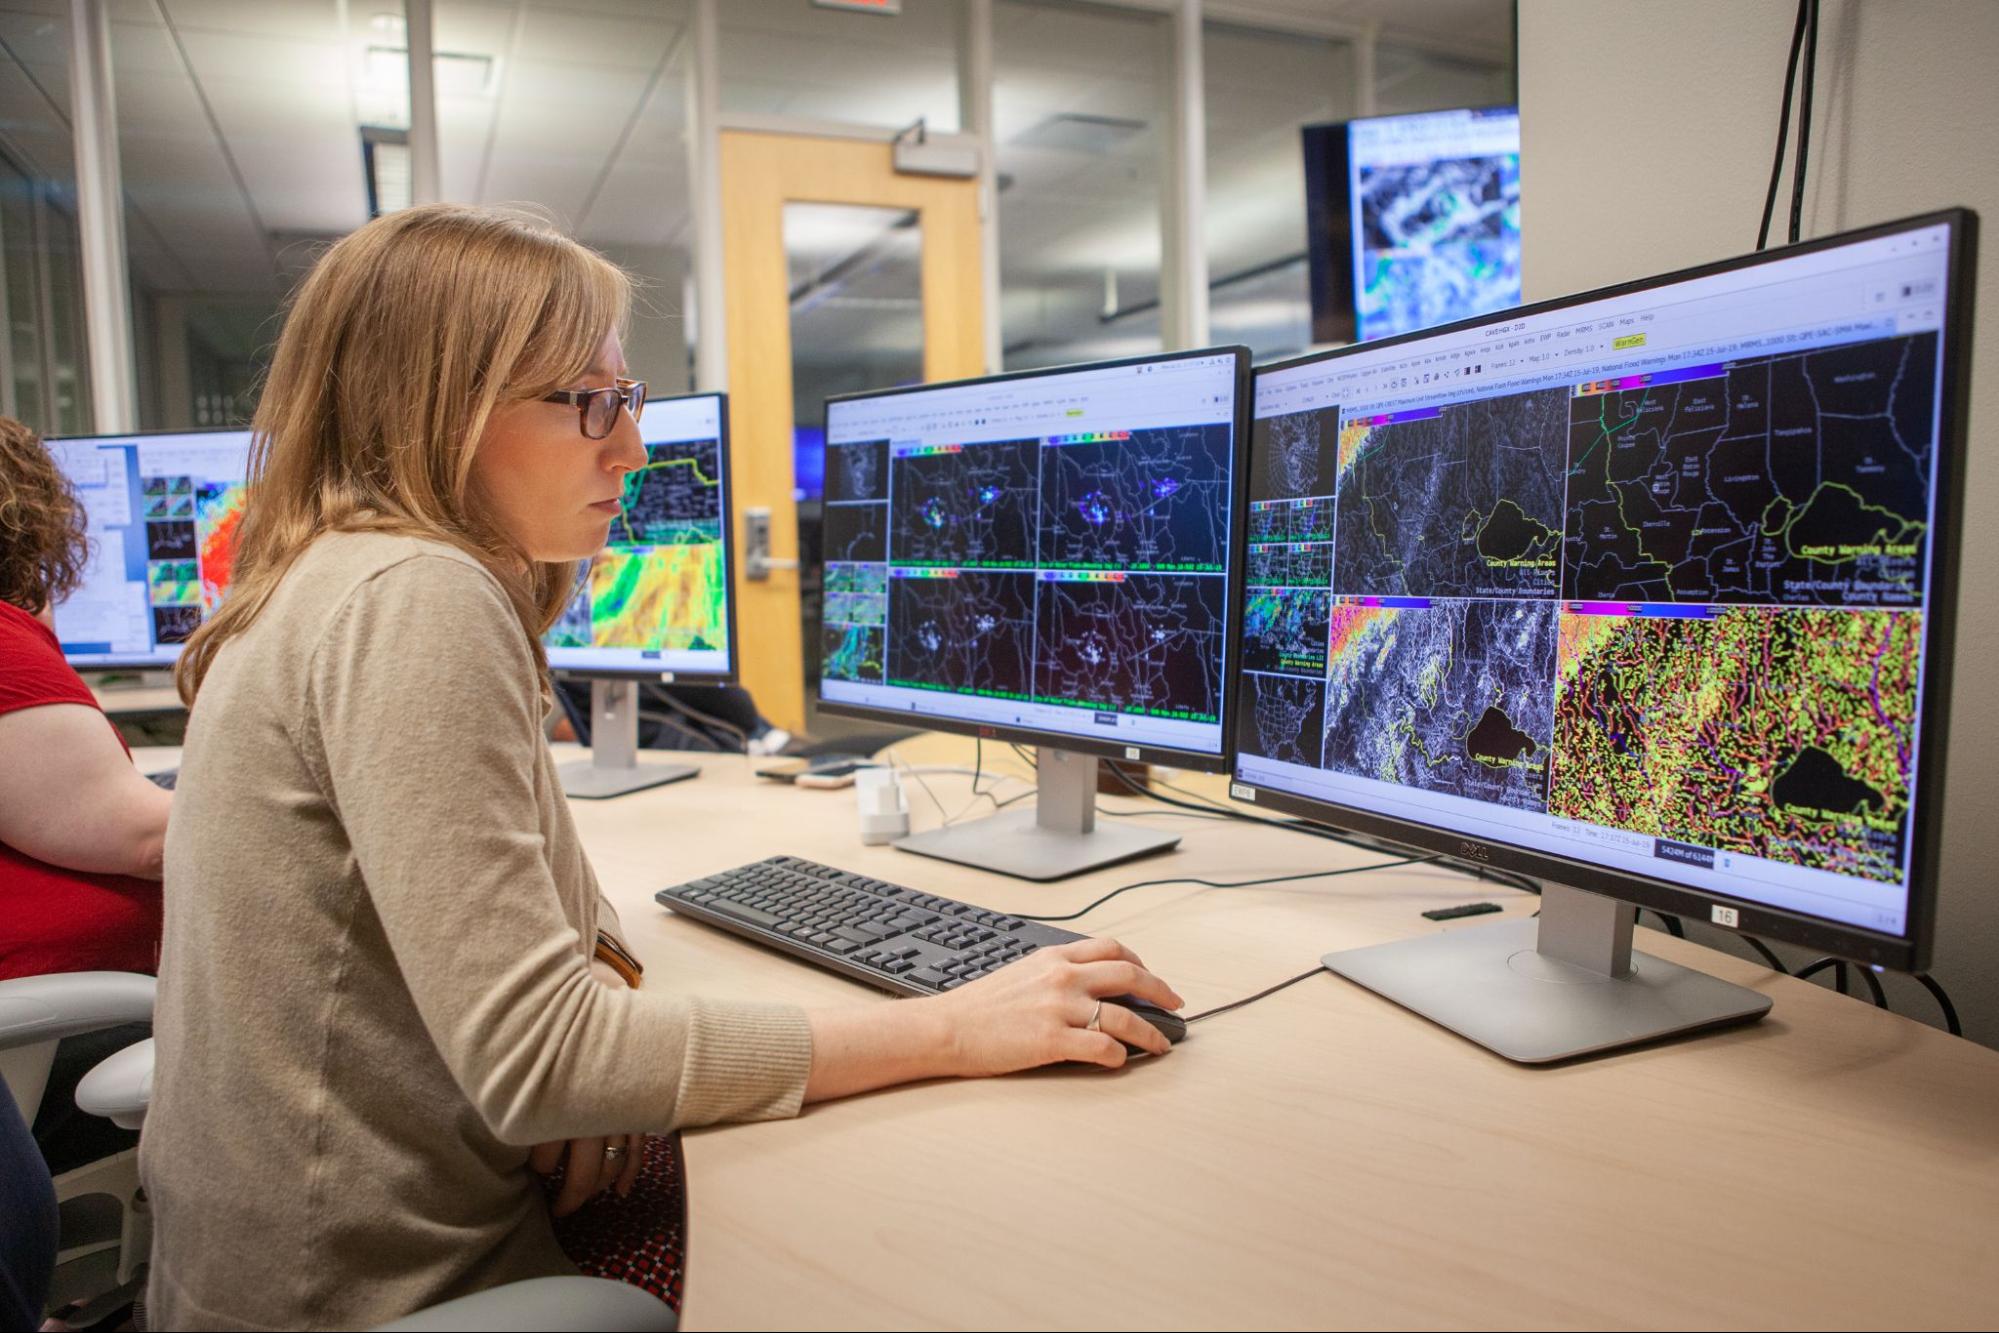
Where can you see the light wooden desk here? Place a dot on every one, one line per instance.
(137, 700)
(1321, 1158)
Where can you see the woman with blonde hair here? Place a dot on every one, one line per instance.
(391, 989)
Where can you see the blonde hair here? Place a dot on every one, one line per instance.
(397, 348)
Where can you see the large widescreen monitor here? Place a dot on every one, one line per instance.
(1413, 221)
(657, 600)
(1647, 591)
(162, 513)
(1041, 557)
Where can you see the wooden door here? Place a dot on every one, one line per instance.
(761, 173)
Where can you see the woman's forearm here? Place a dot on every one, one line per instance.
(873, 1046)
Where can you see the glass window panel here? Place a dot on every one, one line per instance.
(1407, 79)
(46, 380)
(1262, 87)
(856, 283)
(583, 117)
(1079, 109)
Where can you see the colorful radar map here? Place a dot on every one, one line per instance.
(661, 580)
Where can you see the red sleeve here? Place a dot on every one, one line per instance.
(32, 669)
(51, 919)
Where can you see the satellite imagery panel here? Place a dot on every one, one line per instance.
(1440, 242)
(1463, 500)
(1137, 500)
(960, 505)
(1451, 696)
(1780, 733)
(1132, 643)
(966, 631)
(1294, 454)
(1800, 480)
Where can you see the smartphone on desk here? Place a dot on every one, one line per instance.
(832, 775)
(839, 770)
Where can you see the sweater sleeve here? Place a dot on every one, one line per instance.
(422, 695)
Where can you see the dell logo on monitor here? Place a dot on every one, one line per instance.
(1474, 850)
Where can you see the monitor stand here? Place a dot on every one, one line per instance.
(1059, 837)
(1565, 985)
(613, 768)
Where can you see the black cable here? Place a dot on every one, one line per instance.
(1804, 126)
(702, 718)
(1783, 126)
(1769, 955)
(1839, 969)
(1222, 884)
(1208, 807)
(1507, 877)
(1955, 1028)
(1237, 1004)
(1873, 985)
(1671, 923)
(681, 728)
(1163, 814)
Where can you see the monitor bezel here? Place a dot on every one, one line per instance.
(734, 673)
(156, 662)
(1909, 951)
(1224, 757)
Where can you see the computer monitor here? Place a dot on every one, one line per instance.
(656, 604)
(1042, 558)
(1646, 592)
(162, 512)
(1412, 221)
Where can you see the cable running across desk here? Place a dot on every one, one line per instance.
(1268, 991)
(1221, 884)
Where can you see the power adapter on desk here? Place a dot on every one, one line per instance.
(884, 807)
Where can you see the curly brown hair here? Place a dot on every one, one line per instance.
(43, 541)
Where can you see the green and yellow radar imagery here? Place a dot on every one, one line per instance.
(661, 580)
(1787, 734)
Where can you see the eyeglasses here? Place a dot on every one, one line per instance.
(597, 409)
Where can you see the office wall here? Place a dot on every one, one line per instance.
(1647, 132)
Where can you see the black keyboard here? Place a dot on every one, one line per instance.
(897, 939)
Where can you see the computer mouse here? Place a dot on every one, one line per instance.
(1171, 1024)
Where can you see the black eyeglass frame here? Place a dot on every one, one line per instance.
(630, 393)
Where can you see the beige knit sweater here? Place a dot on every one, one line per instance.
(375, 993)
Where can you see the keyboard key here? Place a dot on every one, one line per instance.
(754, 916)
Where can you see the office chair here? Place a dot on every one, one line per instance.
(120, 1088)
(36, 1013)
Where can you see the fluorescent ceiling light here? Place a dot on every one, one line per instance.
(384, 94)
(1074, 132)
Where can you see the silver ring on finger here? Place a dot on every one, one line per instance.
(613, 1153)
(1095, 1015)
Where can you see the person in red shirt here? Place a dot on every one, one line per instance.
(81, 831)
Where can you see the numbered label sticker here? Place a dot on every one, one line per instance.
(1131, 752)
(1725, 916)
(1242, 791)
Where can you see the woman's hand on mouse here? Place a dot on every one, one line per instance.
(1037, 1011)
